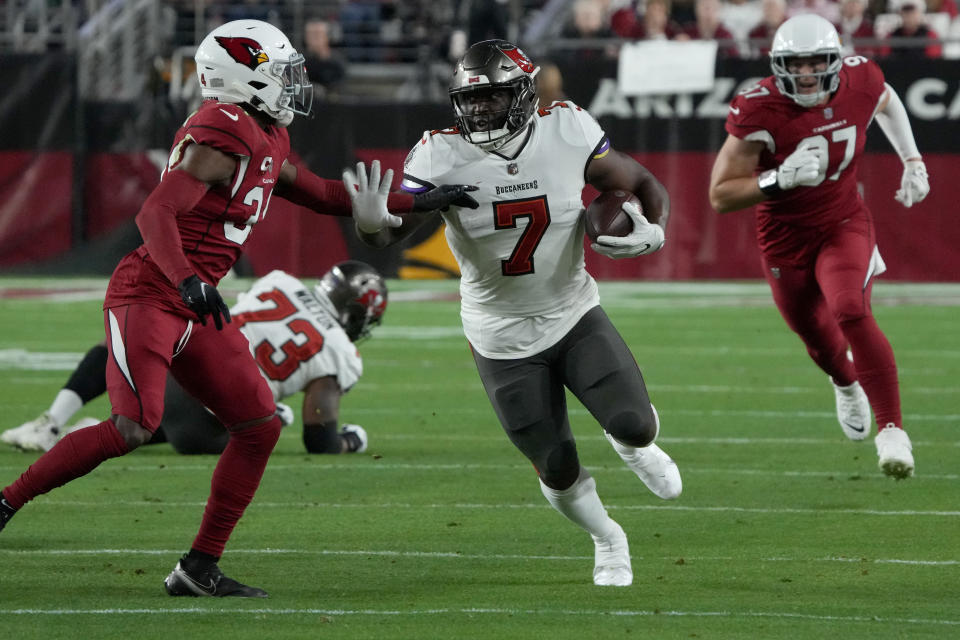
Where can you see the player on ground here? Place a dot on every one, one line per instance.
(793, 145)
(303, 340)
(530, 310)
(162, 311)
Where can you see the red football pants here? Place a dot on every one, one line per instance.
(828, 305)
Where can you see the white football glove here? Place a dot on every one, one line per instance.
(799, 169)
(914, 185)
(645, 238)
(369, 197)
(285, 413)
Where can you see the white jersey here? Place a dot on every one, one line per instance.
(523, 281)
(293, 337)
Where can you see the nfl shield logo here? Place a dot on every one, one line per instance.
(513, 169)
(776, 272)
(828, 113)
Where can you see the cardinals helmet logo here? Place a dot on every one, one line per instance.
(244, 50)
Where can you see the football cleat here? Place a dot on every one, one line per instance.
(853, 410)
(6, 512)
(39, 434)
(611, 564)
(207, 582)
(894, 450)
(652, 465)
(354, 438)
(82, 423)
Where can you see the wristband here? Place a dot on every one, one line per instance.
(767, 181)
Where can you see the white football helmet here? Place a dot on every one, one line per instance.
(806, 35)
(249, 61)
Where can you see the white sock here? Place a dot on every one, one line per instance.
(64, 406)
(581, 504)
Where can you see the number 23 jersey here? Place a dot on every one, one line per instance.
(836, 131)
(293, 337)
(523, 281)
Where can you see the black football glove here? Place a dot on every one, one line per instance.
(443, 196)
(204, 299)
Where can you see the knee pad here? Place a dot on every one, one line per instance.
(261, 437)
(560, 467)
(633, 428)
(849, 305)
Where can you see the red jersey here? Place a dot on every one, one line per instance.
(837, 129)
(214, 231)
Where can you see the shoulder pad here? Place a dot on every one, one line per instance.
(573, 124)
(226, 127)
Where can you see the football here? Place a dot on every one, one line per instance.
(604, 217)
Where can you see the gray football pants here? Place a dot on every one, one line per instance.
(528, 396)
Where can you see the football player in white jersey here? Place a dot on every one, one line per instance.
(303, 340)
(529, 308)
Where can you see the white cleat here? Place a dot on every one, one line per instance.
(652, 465)
(82, 423)
(894, 450)
(611, 565)
(37, 435)
(853, 410)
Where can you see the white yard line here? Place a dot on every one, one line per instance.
(474, 612)
(407, 506)
(455, 555)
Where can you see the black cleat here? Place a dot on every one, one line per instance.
(6, 512)
(207, 582)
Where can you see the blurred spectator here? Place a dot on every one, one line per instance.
(360, 26)
(324, 66)
(549, 84)
(945, 6)
(828, 9)
(588, 22)
(266, 11)
(740, 17)
(761, 36)
(854, 25)
(650, 22)
(486, 20)
(708, 27)
(912, 26)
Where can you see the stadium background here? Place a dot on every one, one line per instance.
(87, 117)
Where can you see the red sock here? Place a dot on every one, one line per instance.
(77, 454)
(235, 480)
(876, 369)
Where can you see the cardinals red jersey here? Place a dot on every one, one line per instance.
(837, 130)
(214, 231)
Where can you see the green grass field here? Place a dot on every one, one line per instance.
(784, 530)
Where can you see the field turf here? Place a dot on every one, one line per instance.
(784, 530)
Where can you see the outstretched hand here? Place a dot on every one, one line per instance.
(368, 197)
(440, 198)
(645, 238)
(204, 299)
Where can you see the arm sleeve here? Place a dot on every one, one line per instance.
(895, 123)
(177, 193)
(329, 197)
